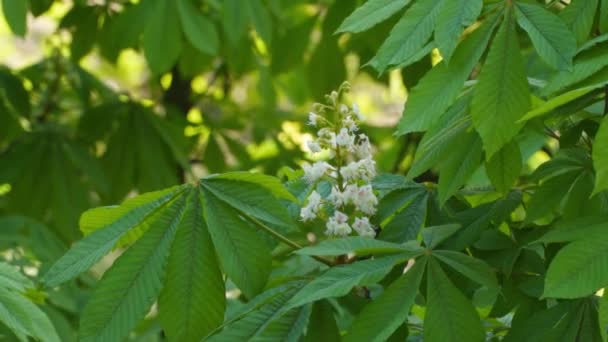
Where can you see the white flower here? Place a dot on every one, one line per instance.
(345, 139)
(315, 171)
(328, 137)
(313, 146)
(363, 149)
(337, 224)
(311, 210)
(342, 229)
(306, 214)
(363, 227)
(357, 111)
(350, 171)
(343, 109)
(339, 217)
(349, 194)
(313, 118)
(336, 197)
(367, 170)
(350, 124)
(365, 200)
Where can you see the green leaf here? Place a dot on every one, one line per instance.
(129, 288)
(603, 16)
(273, 184)
(250, 199)
(324, 322)
(504, 167)
(24, 318)
(242, 252)
(603, 315)
(578, 270)
(557, 101)
(86, 252)
(453, 18)
(600, 157)
(138, 145)
(552, 39)
(576, 229)
(340, 280)
(501, 96)
(198, 29)
(46, 153)
(472, 268)
(257, 315)
(435, 235)
(459, 166)
(587, 64)
(15, 13)
(192, 302)
(438, 89)
(260, 18)
(579, 15)
(409, 35)
(11, 278)
(549, 195)
(371, 13)
(162, 40)
(360, 246)
(382, 316)
(235, 20)
(434, 146)
(15, 94)
(450, 316)
(408, 218)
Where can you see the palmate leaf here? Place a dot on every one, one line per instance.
(243, 255)
(440, 87)
(586, 64)
(592, 227)
(192, 301)
(453, 18)
(578, 270)
(199, 30)
(380, 318)
(504, 167)
(371, 13)
(450, 316)
(46, 162)
(501, 96)
(460, 165)
(560, 100)
(600, 157)
(471, 267)
(162, 39)
(552, 39)
(15, 13)
(407, 209)
(340, 280)
(358, 245)
(24, 318)
(139, 142)
(183, 232)
(88, 251)
(447, 132)
(262, 315)
(579, 15)
(11, 278)
(409, 35)
(129, 288)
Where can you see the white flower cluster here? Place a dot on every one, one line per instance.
(352, 200)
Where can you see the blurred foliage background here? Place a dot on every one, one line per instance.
(104, 99)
